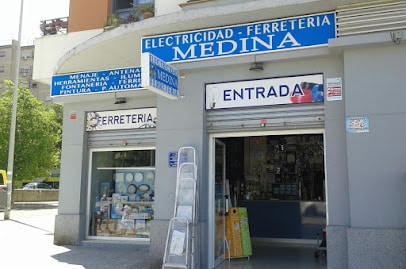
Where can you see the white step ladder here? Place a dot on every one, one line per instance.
(180, 249)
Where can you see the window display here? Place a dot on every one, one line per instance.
(277, 167)
(122, 193)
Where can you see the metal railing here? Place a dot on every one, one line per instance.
(54, 26)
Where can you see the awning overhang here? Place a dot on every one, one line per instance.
(121, 46)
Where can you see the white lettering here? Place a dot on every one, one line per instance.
(257, 40)
(289, 39)
(241, 39)
(206, 49)
(221, 50)
(178, 52)
(171, 80)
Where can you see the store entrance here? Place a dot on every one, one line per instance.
(280, 180)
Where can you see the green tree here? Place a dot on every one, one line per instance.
(38, 134)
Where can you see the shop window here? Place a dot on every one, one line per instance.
(122, 193)
(288, 167)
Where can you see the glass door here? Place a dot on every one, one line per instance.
(220, 203)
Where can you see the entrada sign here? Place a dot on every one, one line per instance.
(283, 34)
(263, 92)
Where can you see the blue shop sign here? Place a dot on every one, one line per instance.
(274, 35)
(96, 82)
(173, 159)
(158, 76)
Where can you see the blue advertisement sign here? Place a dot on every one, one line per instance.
(266, 36)
(173, 159)
(96, 82)
(158, 76)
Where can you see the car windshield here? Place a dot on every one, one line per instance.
(36, 185)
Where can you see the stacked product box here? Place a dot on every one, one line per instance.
(245, 232)
(238, 233)
(233, 232)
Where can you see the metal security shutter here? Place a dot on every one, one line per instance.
(371, 17)
(283, 117)
(139, 137)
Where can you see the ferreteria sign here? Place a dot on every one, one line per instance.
(275, 35)
(96, 82)
(142, 118)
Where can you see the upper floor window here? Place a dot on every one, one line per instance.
(2, 69)
(26, 69)
(127, 9)
(2, 53)
(128, 4)
(25, 57)
(122, 4)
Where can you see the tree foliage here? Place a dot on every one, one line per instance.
(37, 137)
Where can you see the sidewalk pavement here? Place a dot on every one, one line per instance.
(26, 241)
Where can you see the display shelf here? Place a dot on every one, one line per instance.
(288, 191)
(127, 168)
(281, 167)
(123, 203)
(121, 218)
(121, 228)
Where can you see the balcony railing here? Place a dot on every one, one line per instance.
(54, 26)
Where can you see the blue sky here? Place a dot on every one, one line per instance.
(34, 12)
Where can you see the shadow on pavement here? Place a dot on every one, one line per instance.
(32, 226)
(34, 205)
(105, 257)
(31, 206)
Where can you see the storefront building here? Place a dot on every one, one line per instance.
(301, 104)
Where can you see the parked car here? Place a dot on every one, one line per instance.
(36, 185)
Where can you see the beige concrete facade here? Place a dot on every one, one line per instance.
(7, 70)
